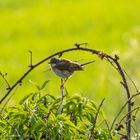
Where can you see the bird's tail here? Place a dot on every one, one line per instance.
(87, 63)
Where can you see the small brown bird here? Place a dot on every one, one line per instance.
(65, 68)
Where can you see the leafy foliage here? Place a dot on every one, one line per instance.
(37, 117)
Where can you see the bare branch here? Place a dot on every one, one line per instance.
(137, 108)
(118, 114)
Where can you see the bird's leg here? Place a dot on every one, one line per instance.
(62, 83)
(65, 80)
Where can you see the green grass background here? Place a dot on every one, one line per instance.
(48, 26)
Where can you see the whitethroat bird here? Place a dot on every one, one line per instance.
(65, 68)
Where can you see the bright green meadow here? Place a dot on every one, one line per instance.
(48, 26)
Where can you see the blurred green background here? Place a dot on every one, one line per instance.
(48, 26)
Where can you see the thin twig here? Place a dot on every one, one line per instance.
(109, 136)
(95, 119)
(131, 81)
(36, 116)
(135, 130)
(3, 76)
(112, 63)
(137, 108)
(31, 59)
(136, 112)
(123, 136)
(118, 114)
(78, 45)
(9, 99)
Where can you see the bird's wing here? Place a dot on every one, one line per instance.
(75, 67)
(63, 65)
(67, 65)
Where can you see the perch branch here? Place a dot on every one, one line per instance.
(62, 96)
(42, 61)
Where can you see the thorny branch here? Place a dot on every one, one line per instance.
(125, 84)
(122, 108)
(42, 61)
(110, 59)
(135, 109)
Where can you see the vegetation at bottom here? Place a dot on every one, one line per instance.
(42, 116)
(38, 116)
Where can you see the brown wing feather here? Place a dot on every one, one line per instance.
(75, 67)
(63, 65)
(70, 66)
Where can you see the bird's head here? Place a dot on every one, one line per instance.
(54, 61)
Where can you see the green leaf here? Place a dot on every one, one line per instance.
(44, 84)
(35, 96)
(35, 84)
(25, 98)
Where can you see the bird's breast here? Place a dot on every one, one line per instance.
(62, 73)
